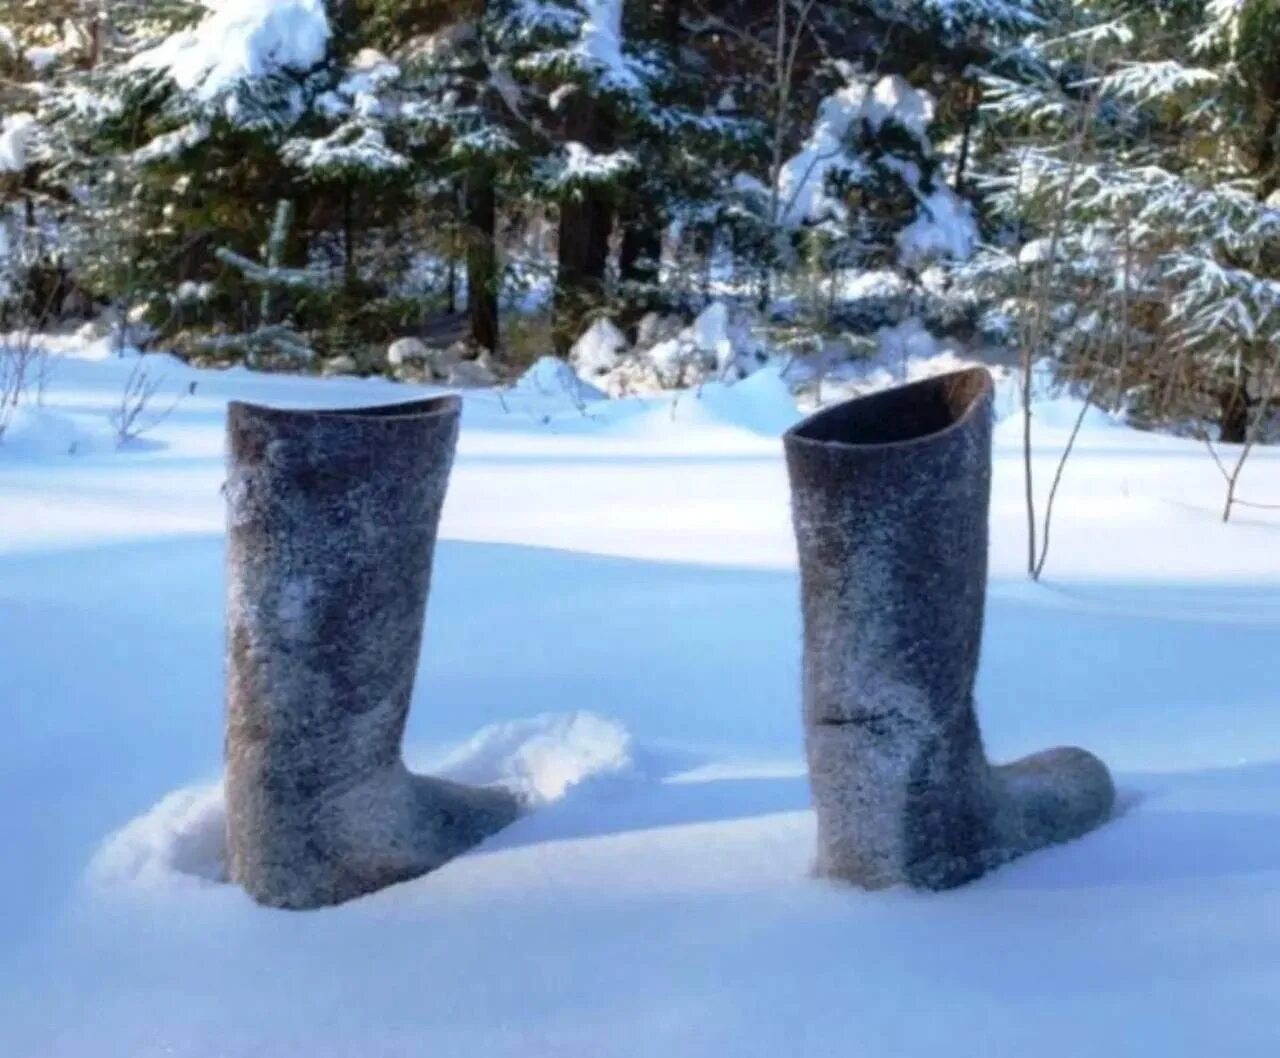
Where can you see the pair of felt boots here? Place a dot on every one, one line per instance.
(332, 528)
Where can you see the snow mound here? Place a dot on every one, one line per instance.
(240, 41)
(905, 344)
(907, 352)
(715, 346)
(762, 403)
(549, 388)
(1060, 412)
(893, 99)
(598, 350)
(542, 757)
(37, 433)
(709, 333)
(181, 842)
(802, 180)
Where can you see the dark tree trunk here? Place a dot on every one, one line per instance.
(641, 248)
(642, 217)
(586, 221)
(1268, 173)
(974, 97)
(1233, 419)
(482, 258)
(703, 249)
(638, 260)
(348, 235)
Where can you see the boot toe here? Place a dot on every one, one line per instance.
(1051, 797)
(453, 817)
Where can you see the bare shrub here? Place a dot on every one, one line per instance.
(136, 413)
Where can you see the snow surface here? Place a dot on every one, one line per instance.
(549, 387)
(614, 625)
(893, 99)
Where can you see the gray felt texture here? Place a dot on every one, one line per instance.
(890, 496)
(332, 519)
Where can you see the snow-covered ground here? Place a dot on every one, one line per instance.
(614, 626)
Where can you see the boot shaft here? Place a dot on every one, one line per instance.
(890, 497)
(332, 521)
(889, 502)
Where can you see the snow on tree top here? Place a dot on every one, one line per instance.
(802, 181)
(600, 42)
(893, 99)
(239, 41)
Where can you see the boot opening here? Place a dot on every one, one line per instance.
(909, 413)
(407, 410)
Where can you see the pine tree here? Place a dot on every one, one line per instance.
(1139, 243)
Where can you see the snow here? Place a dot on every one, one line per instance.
(170, 145)
(42, 57)
(713, 346)
(906, 342)
(543, 757)
(944, 227)
(550, 387)
(240, 41)
(597, 351)
(802, 180)
(181, 841)
(15, 135)
(762, 403)
(893, 99)
(583, 165)
(351, 147)
(34, 433)
(600, 43)
(614, 627)
(710, 333)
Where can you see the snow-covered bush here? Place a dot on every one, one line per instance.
(714, 346)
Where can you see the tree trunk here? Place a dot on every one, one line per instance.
(1268, 173)
(482, 258)
(973, 94)
(348, 235)
(1233, 420)
(586, 221)
(639, 259)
